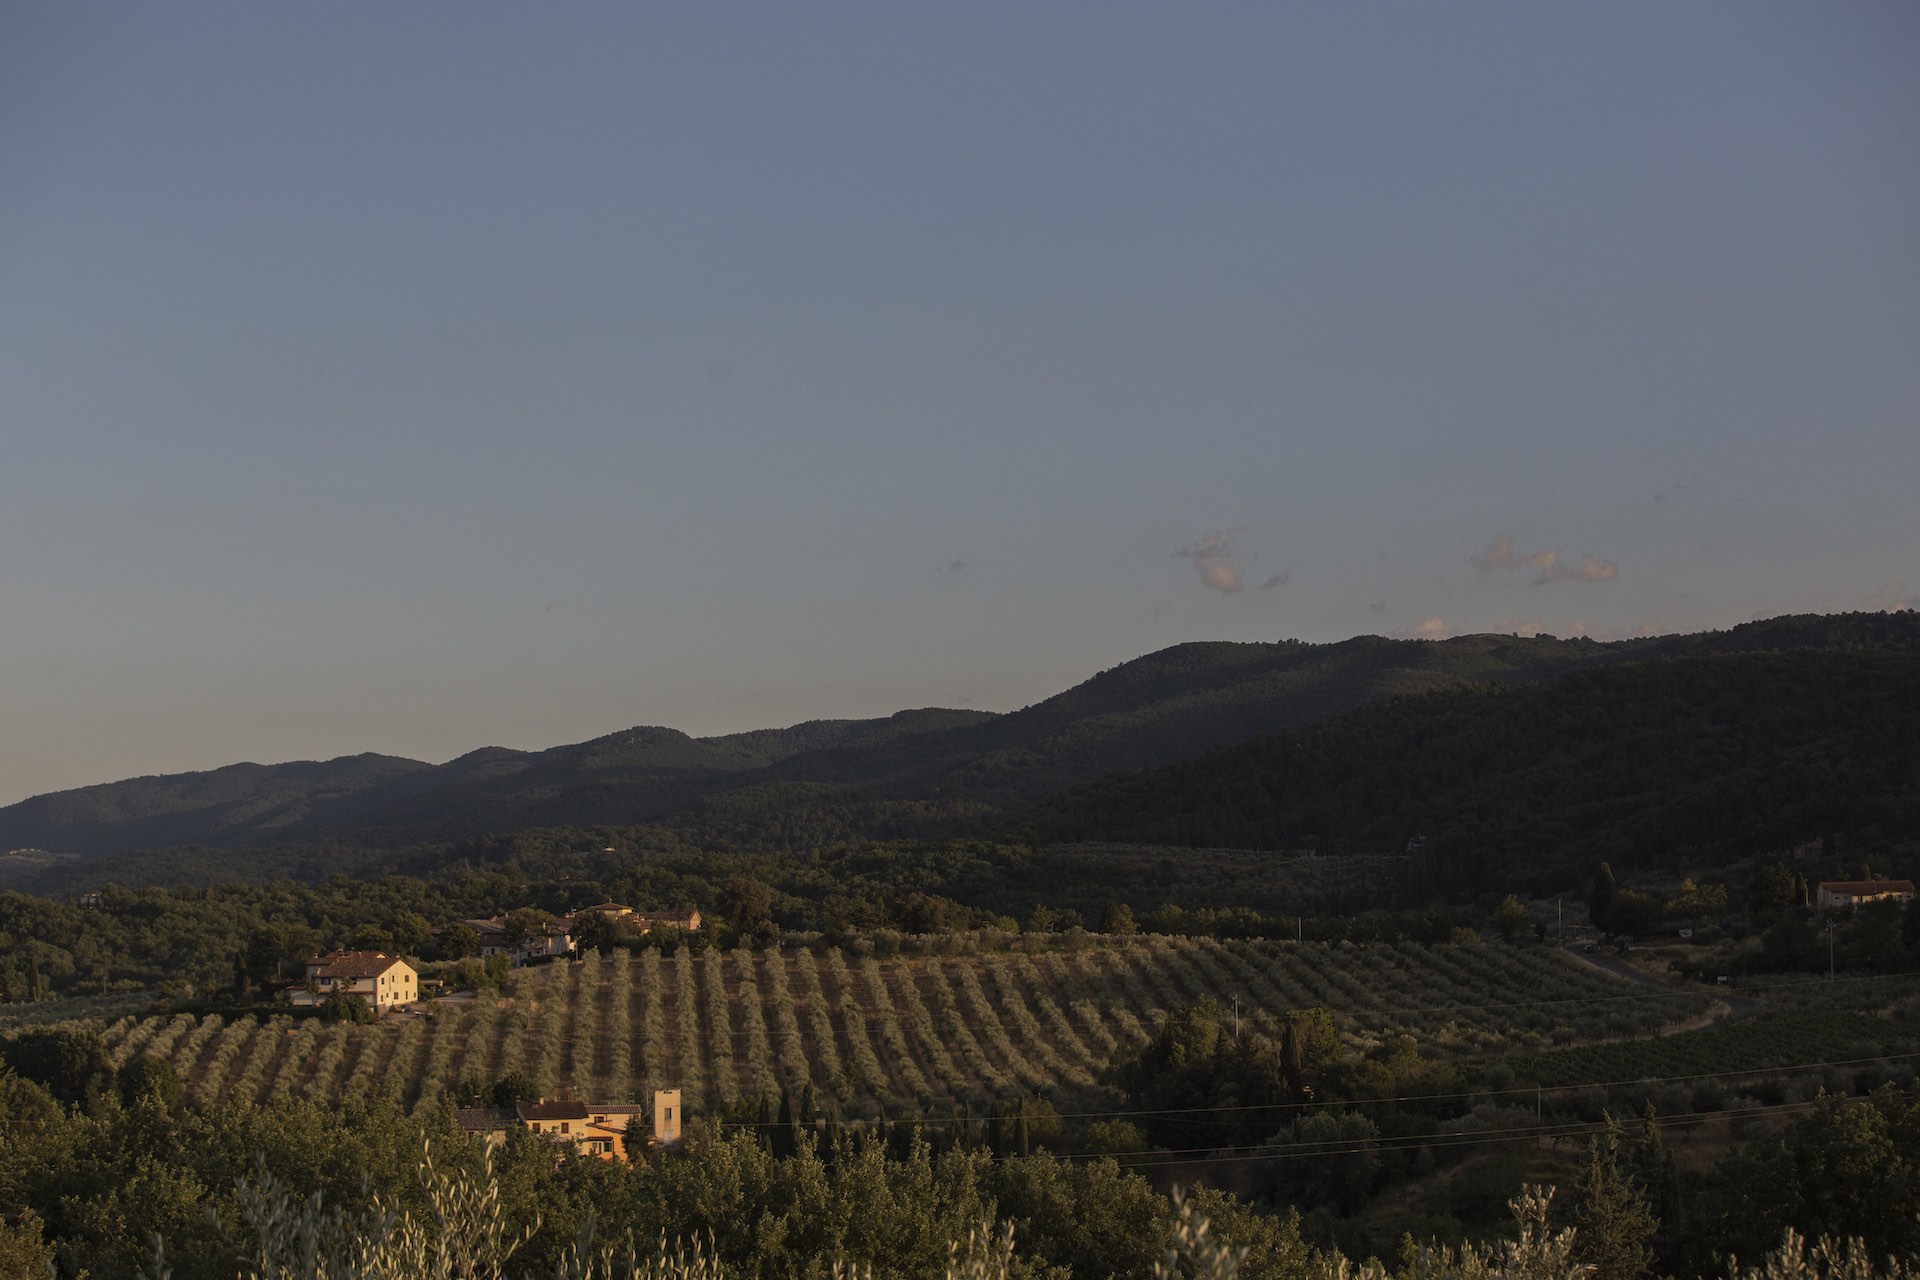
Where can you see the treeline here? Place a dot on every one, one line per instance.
(194, 940)
(1696, 761)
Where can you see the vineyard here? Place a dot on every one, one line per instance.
(904, 1032)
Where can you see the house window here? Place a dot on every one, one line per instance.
(566, 1126)
(669, 1115)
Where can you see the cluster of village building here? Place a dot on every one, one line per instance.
(609, 1130)
(605, 1129)
(498, 936)
(387, 982)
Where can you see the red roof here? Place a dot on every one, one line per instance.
(552, 1110)
(1858, 887)
(355, 964)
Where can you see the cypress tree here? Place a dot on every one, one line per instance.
(783, 1129)
(1600, 904)
(1614, 1221)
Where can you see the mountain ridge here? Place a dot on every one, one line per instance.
(931, 769)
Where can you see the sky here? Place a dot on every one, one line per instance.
(413, 378)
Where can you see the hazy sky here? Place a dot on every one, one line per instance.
(416, 377)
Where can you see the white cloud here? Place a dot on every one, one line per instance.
(1432, 627)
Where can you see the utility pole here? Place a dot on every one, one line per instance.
(1829, 951)
(1236, 1019)
(1300, 926)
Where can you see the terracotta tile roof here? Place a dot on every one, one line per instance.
(483, 1119)
(1867, 886)
(552, 1110)
(356, 964)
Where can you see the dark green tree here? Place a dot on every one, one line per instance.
(346, 1006)
(512, 1087)
(149, 1079)
(1509, 918)
(1616, 1223)
(1600, 901)
(745, 903)
(69, 1061)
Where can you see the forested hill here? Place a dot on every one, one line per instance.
(928, 772)
(633, 773)
(1663, 762)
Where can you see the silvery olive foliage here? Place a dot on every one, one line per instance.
(460, 1234)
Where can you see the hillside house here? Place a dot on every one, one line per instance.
(1851, 895)
(383, 981)
(556, 941)
(592, 1128)
(687, 921)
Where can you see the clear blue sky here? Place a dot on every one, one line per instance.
(416, 377)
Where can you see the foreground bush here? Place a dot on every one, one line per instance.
(459, 1232)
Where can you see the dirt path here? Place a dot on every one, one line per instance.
(1737, 1007)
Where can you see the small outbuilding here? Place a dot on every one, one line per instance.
(1851, 895)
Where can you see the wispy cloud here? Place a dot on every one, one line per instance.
(1547, 563)
(1214, 559)
(1222, 562)
(1680, 490)
(1431, 627)
(1591, 569)
(953, 566)
(1890, 599)
(1497, 556)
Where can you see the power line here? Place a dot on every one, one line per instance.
(1268, 1152)
(1526, 1090)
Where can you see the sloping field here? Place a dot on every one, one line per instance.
(906, 1032)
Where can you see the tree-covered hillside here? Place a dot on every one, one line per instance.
(1695, 760)
(927, 773)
